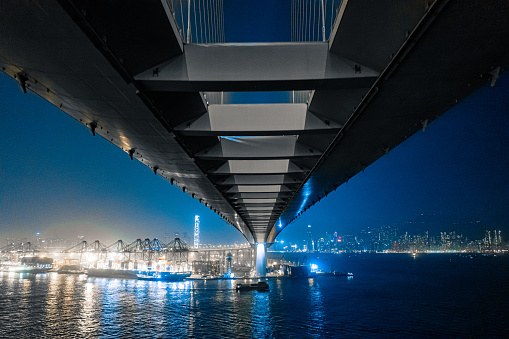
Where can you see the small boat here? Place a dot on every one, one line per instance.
(64, 271)
(342, 274)
(70, 269)
(260, 286)
(163, 276)
(331, 274)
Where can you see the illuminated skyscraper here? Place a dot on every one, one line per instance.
(310, 242)
(196, 231)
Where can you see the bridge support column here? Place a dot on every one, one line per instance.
(260, 265)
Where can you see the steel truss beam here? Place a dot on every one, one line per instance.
(256, 67)
(258, 120)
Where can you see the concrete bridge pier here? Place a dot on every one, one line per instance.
(260, 264)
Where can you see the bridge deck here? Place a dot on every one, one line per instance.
(389, 68)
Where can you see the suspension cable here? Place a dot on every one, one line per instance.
(201, 25)
(313, 26)
(183, 32)
(212, 22)
(218, 26)
(195, 23)
(301, 19)
(310, 19)
(222, 20)
(291, 22)
(204, 22)
(331, 17)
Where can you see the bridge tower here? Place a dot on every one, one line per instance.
(260, 264)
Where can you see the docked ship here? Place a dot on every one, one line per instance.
(32, 265)
(163, 275)
(29, 269)
(111, 273)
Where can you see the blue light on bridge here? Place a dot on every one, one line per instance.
(239, 138)
(306, 191)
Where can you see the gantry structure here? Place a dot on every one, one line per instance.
(176, 251)
(133, 75)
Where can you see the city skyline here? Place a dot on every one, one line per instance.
(379, 239)
(391, 239)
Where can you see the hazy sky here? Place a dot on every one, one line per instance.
(57, 179)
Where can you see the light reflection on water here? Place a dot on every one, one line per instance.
(262, 316)
(316, 308)
(380, 300)
(87, 322)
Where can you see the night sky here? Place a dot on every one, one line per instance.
(57, 179)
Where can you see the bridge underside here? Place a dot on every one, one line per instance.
(388, 69)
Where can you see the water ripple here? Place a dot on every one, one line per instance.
(389, 297)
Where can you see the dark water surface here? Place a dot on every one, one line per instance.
(391, 295)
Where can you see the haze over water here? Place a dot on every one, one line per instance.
(391, 295)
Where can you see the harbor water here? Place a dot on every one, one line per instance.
(390, 295)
